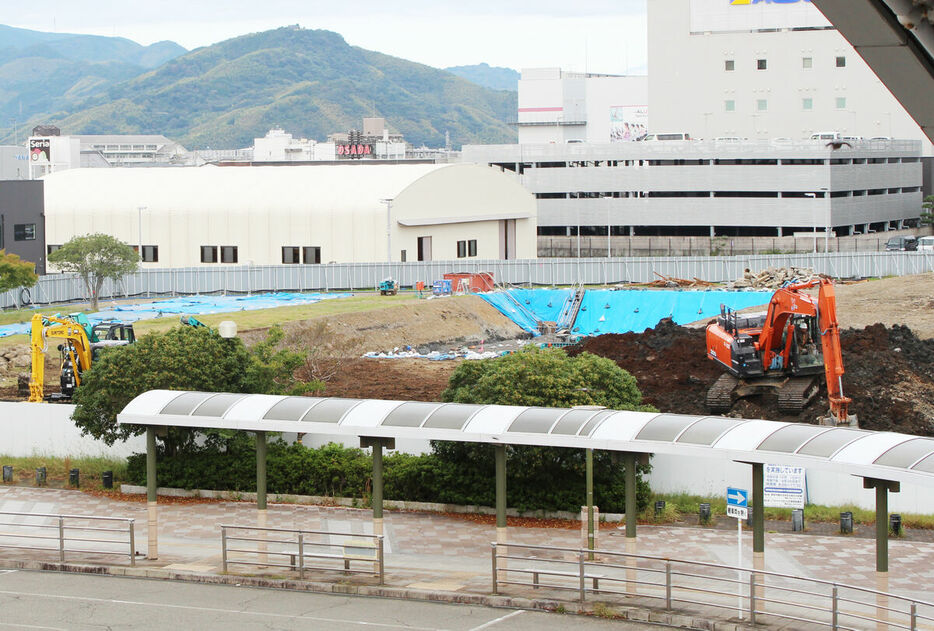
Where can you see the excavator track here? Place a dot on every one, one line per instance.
(720, 395)
(795, 394)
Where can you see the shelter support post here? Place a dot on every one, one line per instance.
(758, 526)
(501, 532)
(882, 488)
(630, 462)
(377, 444)
(590, 524)
(261, 492)
(152, 532)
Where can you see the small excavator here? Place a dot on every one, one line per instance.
(784, 349)
(81, 343)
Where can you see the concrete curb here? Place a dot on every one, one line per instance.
(635, 614)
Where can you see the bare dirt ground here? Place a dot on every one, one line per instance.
(888, 351)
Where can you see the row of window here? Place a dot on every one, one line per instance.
(466, 248)
(729, 65)
(783, 194)
(510, 166)
(310, 255)
(762, 105)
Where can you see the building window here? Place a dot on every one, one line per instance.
(807, 104)
(729, 65)
(841, 62)
(51, 248)
(289, 254)
(762, 64)
(402, 255)
(841, 102)
(24, 232)
(228, 254)
(807, 62)
(762, 105)
(150, 254)
(209, 254)
(311, 254)
(729, 106)
(472, 247)
(461, 249)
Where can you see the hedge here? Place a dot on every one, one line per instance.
(537, 478)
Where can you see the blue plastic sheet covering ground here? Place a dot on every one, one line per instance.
(528, 307)
(191, 305)
(605, 311)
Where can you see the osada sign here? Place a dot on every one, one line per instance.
(354, 151)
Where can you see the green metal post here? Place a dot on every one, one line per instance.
(590, 525)
(152, 527)
(882, 526)
(758, 510)
(629, 462)
(378, 480)
(500, 454)
(261, 470)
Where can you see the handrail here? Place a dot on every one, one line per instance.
(80, 536)
(727, 589)
(298, 550)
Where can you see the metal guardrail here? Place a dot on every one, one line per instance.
(756, 595)
(302, 550)
(67, 529)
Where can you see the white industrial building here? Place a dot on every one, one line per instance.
(556, 106)
(762, 70)
(709, 188)
(357, 212)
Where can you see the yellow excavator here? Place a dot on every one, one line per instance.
(80, 345)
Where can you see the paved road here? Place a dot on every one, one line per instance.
(34, 600)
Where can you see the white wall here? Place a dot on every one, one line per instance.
(46, 429)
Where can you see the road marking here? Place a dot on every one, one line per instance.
(340, 621)
(31, 626)
(8, 571)
(486, 625)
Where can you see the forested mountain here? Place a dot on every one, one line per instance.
(308, 82)
(493, 77)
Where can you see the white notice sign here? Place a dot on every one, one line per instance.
(784, 486)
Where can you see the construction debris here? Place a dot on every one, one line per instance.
(773, 277)
(670, 282)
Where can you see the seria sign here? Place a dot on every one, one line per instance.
(354, 150)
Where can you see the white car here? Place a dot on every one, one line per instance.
(926, 243)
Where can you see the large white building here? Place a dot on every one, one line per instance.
(762, 70)
(556, 106)
(357, 212)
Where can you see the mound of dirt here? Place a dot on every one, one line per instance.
(889, 375)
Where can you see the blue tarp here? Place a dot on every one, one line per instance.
(193, 305)
(607, 311)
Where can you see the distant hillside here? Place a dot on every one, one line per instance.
(308, 82)
(495, 78)
(43, 73)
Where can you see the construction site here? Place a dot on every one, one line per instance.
(392, 351)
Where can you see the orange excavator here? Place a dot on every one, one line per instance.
(784, 349)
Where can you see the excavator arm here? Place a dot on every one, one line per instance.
(785, 303)
(78, 349)
(833, 355)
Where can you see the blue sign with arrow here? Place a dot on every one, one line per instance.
(737, 503)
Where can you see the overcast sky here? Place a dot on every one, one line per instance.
(595, 35)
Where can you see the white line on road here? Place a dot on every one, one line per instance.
(218, 610)
(8, 571)
(489, 624)
(31, 626)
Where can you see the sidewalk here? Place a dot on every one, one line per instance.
(445, 554)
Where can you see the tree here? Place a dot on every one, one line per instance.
(547, 378)
(15, 272)
(183, 358)
(95, 258)
(927, 217)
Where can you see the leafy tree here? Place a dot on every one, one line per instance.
(183, 358)
(927, 217)
(547, 378)
(95, 258)
(15, 272)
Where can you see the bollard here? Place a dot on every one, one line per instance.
(659, 507)
(895, 524)
(797, 520)
(107, 479)
(846, 523)
(7, 473)
(749, 517)
(704, 514)
(74, 478)
(40, 476)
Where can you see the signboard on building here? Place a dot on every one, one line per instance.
(784, 486)
(723, 16)
(40, 150)
(628, 122)
(354, 150)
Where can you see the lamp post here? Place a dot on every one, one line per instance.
(812, 196)
(606, 202)
(578, 225)
(388, 202)
(139, 226)
(829, 218)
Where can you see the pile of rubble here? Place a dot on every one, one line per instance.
(773, 277)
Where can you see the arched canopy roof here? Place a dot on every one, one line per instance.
(881, 455)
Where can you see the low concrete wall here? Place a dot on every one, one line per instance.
(46, 429)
